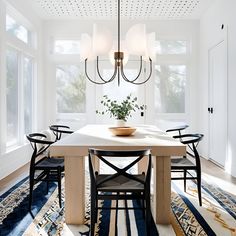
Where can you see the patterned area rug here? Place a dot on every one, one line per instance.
(217, 216)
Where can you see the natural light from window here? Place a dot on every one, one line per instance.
(71, 89)
(28, 94)
(66, 46)
(171, 47)
(12, 96)
(170, 86)
(16, 29)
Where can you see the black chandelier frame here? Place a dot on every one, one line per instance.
(119, 67)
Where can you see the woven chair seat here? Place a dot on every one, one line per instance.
(50, 163)
(182, 162)
(120, 183)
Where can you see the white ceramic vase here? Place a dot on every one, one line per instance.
(120, 123)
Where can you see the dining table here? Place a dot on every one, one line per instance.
(74, 148)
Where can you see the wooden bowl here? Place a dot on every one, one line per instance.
(122, 131)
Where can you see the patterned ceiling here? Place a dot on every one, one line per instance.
(130, 9)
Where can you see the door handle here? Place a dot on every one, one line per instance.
(210, 110)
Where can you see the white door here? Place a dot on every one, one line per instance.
(120, 92)
(218, 103)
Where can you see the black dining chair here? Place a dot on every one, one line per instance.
(187, 166)
(58, 130)
(179, 129)
(121, 185)
(42, 166)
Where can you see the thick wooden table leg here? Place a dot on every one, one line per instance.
(142, 165)
(74, 190)
(162, 189)
(96, 164)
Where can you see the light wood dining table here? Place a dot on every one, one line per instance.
(75, 146)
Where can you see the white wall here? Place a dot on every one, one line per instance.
(72, 29)
(11, 160)
(222, 12)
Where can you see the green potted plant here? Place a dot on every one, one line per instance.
(121, 111)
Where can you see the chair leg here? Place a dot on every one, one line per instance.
(148, 214)
(59, 186)
(185, 175)
(143, 206)
(47, 186)
(199, 189)
(117, 201)
(93, 213)
(31, 183)
(96, 210)
(47, 182)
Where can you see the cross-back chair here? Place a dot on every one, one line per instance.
(121, 185)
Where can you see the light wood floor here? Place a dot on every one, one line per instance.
(216, 171)
(7, 182)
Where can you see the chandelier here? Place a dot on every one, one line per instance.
(137, 43)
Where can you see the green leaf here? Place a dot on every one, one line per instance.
(120, 110)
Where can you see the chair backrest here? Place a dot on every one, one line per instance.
(39, 143)
(104, 154)
(177, 128)
(58, 130)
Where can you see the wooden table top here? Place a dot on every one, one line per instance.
(99, 136)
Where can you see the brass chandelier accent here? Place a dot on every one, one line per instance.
(119, 65)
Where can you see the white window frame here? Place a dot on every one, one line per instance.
(177, 59)
(69, 59)
(24, 50)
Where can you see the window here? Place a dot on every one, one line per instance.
(12, 61)
(170, 86)
(18, 88)
(171, 47)
(66, 46)
(17, 30)
(28, 93)
(19, 95)
(171, 77)
(71, 89)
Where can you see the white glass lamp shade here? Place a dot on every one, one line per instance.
(102, 40)
(136, 39)
(123, 49)
(86, 51)
(150, 49)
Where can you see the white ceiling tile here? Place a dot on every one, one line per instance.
(130, 9)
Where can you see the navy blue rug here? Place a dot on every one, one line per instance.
(14, 214)
(46, 216)
(217, 216)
